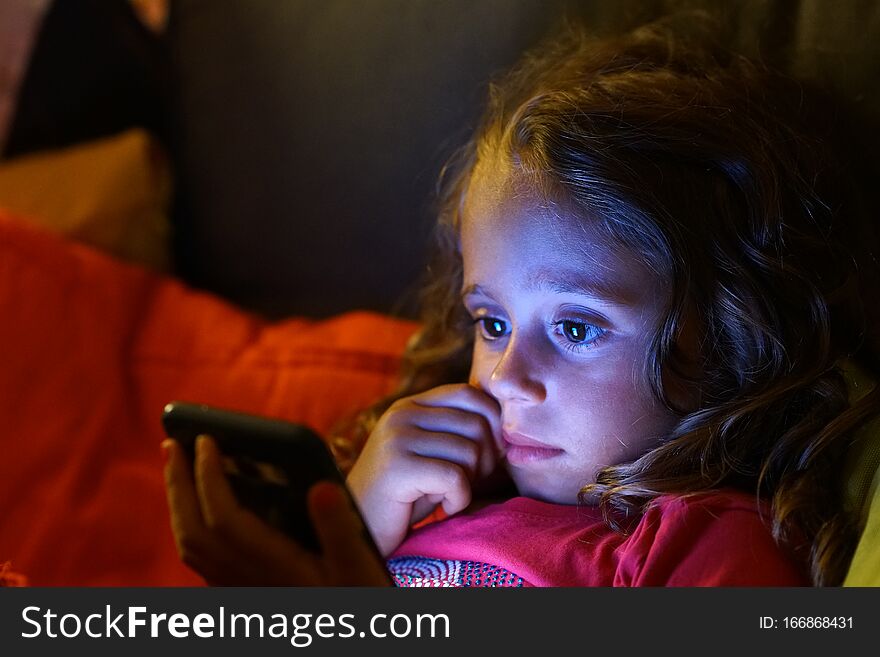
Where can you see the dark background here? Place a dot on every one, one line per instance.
(307, 135)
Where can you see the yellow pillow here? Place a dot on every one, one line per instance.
(862, 487)
(112, 193)
(864, 569)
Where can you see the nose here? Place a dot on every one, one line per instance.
(515, 376)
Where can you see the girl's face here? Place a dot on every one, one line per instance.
(562, 324)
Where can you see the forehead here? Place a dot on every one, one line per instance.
(500, 198)
(507, 226)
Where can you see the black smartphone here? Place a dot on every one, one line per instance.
(270, 464)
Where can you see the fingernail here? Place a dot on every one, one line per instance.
(165, 447)
(201, 441)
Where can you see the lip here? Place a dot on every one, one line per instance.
(519, 440)
(522, 450)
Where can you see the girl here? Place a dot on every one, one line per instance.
(633, 332)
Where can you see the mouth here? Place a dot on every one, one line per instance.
(521, 450)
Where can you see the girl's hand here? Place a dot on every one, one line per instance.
(229, 545)
(425, 450)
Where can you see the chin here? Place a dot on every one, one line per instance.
(542, 487)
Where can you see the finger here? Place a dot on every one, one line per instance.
(216, 499)
(224, 515)
(464, 452)
(472, 426)
(466, 398)
(436, 477)
(220, 508)
(180, 490)
(345, 544)
(192, 538)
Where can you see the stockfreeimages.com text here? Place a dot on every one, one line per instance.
(301, 629)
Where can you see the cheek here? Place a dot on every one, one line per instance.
(609, 401)
(598, 403)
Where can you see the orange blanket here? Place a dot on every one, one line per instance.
(92, 349)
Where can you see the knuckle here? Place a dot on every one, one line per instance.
(190, 559)
(478, 424)
(395, 441)
(391, 413)
(456, 478)
(406, 403)
(217, 523)
(190, 547)
(471, 453)
(475, 394)
(397, 413)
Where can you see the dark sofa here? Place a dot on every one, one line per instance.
(308, 134)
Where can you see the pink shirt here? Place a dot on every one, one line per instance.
(712, 539)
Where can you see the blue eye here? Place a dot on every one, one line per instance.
(579, 334)
(492, 328)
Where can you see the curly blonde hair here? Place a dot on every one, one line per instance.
(705, 165)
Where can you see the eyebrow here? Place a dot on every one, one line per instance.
(594, 288)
